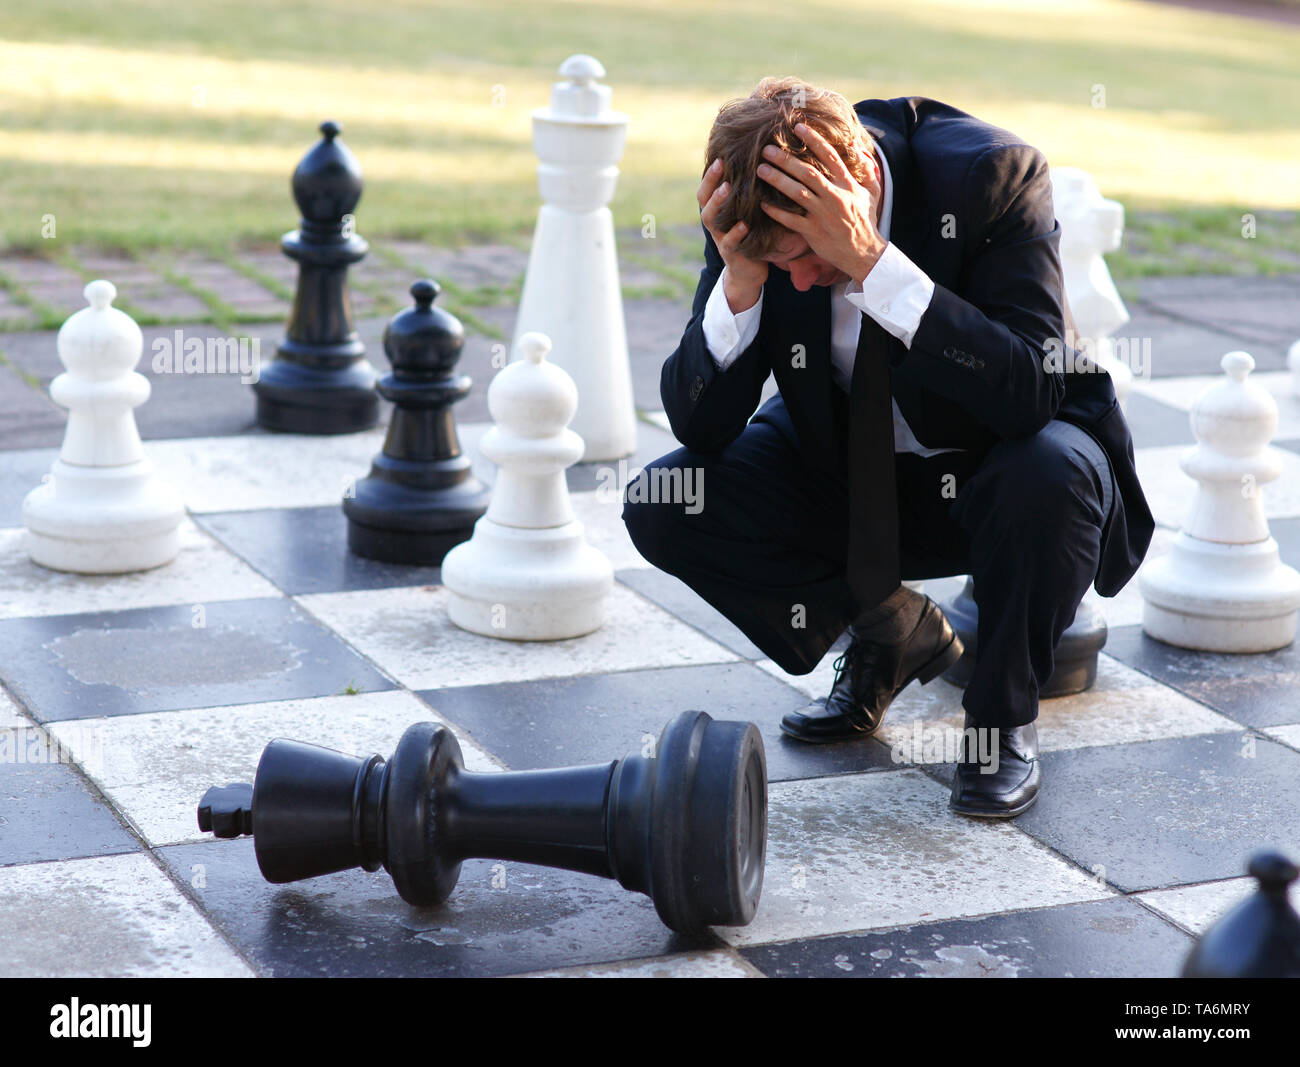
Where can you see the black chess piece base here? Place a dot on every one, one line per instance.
(687, 825)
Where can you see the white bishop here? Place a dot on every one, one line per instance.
(101, 510)
(528, 574)
(1222, 587)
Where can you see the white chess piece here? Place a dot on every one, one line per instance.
(101, 510)
(571, 289)
(527, 573)
(1221, 587)
(1091, 225)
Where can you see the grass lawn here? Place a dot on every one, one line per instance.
(153, 124)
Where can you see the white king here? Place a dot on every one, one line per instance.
(528, 573)
(101, 510)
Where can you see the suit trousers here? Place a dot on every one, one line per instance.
(764, 540)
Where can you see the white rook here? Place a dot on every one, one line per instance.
(527, 573)
(102, 510)
(571, 291)
(1091, 225)
(1221, 587)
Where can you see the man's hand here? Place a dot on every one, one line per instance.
(745, 277)
(840, 220)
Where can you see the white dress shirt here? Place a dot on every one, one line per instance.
(896, 294)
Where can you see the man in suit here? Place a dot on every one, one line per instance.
(894, 266)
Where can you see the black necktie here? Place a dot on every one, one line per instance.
(873, 567)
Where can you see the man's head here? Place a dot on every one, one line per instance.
(768, 116)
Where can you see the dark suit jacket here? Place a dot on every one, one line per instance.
(975, 373)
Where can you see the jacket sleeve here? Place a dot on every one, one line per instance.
(988, 349)
(708, 408)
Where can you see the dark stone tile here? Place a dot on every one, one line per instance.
(31, 419)
(680, 599)
(155, 659)
(20, 473)
(1180, 346)
(1167, 813)
(563, 722)
(354, 925)
(1255, 309)
(651, 443)
(305, 550)
(46, 810)
(1255, 689)
(1100, 939)
(654, 330)
(1155, 424)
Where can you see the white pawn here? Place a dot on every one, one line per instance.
(101, 510)
(527, 573)
(1091, 225)
(1222, 587)
(571, 289)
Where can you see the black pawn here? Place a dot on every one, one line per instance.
(1074, 661)
(420, 499)
(1260, 937)
(319, 381)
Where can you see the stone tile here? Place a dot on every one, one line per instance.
(718, 964)
(20, 473)
(1181, 393)
(880, 850)
(156, 659)
(110, 917)
(1180, 346)
(354, 924)
(1099, 939)
(1288, 735)
(46, 811)
(407, 633)
(1153, 421)
(11, 715)
(1164, 813)
(676, 596)
(305, 550)
(1255, 689)
(154, 768)
(27, 270)
(1125, 607)
(15, 315)
(601, 513)
(1198, 907)
(31, 418)
(564, 722)
(203, 572)
(654, 330)
(924, 724)
(614, 475)
(1254, 308)
(1170, 492)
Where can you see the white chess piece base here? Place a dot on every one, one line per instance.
(102, 520)
(527, 584)
(1216, 597)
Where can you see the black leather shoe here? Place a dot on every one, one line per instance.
(868, 676)
(998, 788)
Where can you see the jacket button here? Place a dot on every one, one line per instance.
(697, 387)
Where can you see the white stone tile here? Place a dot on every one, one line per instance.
(406, 632)
(601, 513)
(1125, 608)
(1170, 492)
(203, 572)
(244, 473)
(878, 850)
(1288, 735)
(658, 418)
(154, 768)
(718, 964)
(1197, 907)
(1180, 392)
(11, 716)
(106, 917)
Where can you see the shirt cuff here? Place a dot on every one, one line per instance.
(727, 334)
(896, 294)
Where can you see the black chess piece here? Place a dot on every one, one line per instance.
(320, 381)
(420, 498)
(686, 825)
(1074, 660)
(1260, 937)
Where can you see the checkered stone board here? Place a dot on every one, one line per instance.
(128, 696)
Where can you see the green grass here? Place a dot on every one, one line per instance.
(152, 125)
